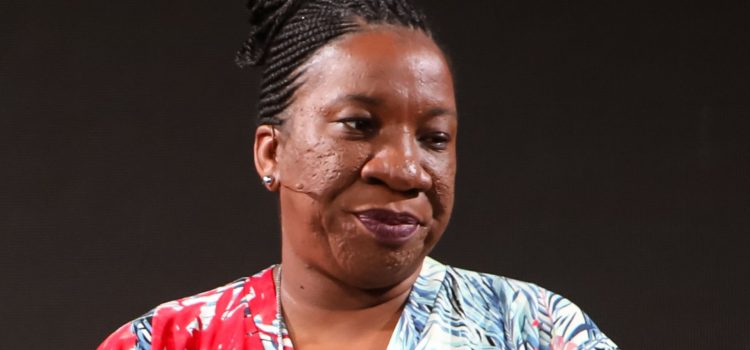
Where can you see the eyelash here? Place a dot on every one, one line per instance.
(363, 125)
(436, 140)
(366, 126)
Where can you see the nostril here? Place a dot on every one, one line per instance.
(412, 193)
(374, 181)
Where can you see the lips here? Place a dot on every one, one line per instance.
(389, 227)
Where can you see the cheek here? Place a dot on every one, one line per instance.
(320, 166)
(443, 172)
(341, 238)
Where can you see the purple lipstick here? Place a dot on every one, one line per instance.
(389, 227)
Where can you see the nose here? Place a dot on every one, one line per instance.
(398, 165)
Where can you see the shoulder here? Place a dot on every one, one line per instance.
(180, 323)
(523, 312)
(484, 289)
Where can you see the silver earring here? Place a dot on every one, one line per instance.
(267, 180)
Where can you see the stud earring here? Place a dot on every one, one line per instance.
(267, 180)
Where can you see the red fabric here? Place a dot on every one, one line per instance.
(236, 316)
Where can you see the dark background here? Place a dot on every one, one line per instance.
(603, 155)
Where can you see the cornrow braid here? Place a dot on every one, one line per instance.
(285, 33)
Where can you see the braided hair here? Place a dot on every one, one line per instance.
(285, 33)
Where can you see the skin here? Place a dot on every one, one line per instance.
(372, 126)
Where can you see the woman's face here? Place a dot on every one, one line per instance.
(366, 158)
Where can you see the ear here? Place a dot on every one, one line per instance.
(264, 151)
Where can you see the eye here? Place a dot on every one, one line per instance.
(361, 125)
(436, 140)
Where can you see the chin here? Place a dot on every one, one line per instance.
(382, 269)
(383, 281)
(365, 263)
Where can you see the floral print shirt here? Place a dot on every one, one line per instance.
(448, 308)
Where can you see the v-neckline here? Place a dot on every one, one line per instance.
(406, 334)
(418, 307)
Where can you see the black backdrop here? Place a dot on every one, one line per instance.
(603, 154)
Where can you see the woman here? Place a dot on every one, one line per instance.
(358, 136)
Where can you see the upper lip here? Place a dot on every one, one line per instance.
(390, 217)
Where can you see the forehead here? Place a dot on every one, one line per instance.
(381, 61)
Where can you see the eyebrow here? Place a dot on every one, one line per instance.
(374, 101)
(438, 111)
(364, 99)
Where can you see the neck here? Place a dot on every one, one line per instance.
(307, 286)
(318, 308)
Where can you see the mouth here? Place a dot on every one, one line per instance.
(389, 227)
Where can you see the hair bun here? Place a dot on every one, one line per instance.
(266, 18)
